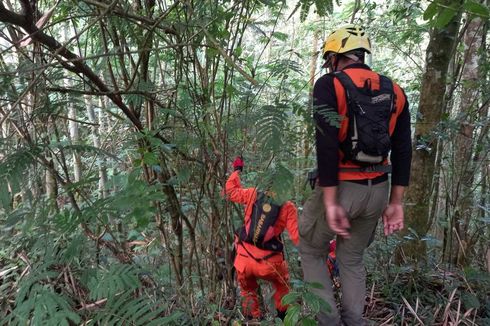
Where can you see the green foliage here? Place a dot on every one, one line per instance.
(12, 169)
(125, 308)
(39, 300)
(303, 296)
(331, 117)
(133, 203)
(60, 258)
(323, 7)
(476, 8)
(440, 12)
(118, 278)
(271, 123)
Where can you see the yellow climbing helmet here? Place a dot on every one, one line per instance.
(347, 38)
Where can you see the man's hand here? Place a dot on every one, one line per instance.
(238, 163)
(393, 218)
(337, 220)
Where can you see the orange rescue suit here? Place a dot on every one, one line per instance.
(273, 269)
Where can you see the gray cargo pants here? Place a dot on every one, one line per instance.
(364, 205)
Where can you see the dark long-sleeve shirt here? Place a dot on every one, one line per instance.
(327, 135)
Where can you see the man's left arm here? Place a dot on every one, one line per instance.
(401, 157)
(401, 148)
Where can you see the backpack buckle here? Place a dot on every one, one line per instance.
(371, 168)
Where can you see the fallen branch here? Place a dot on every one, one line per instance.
(94, 305)
(414, 313)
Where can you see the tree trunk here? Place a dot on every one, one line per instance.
(313, 63)
(51, 184)
(431, 106)
(464, 167)
(96, 141)
(75, 138)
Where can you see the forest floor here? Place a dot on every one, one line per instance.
(435, 305)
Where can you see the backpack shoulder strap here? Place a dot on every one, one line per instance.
(385, 84)
(345, 80)
(352, 92)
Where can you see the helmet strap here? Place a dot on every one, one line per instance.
(335, 66)
(329, 62)
(352, 57)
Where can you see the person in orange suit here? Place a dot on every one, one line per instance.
(332, 264)
(262, 259)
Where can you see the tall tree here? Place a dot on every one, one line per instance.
(431, 107)
(465, 166)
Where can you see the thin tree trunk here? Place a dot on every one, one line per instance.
(313, 64)
(464, 170)
(50, 180)
(75, 138)
(96, 141)
(431, 107)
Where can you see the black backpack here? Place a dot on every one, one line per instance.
(369, 111)
(260, 231)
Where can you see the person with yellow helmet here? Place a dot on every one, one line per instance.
(362, 134)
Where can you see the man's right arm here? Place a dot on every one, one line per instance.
(234, 190)
(327, 150)
(327, 142)
(335, 214)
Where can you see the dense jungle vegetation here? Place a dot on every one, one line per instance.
(119, 120)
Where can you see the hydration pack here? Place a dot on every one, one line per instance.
(369, 111)
(260, 230)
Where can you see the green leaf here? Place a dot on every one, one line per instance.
(476, 8)
(315, 285)
(231, 91)
(289, 298)
(470, 300)
(150, 158)
(280, 36)
(118, 278)
(271, 126)
(323, 7)
(444, 17)
(211, 52)
(430, 11)
(292, 315)
(331, 117)
(308, 322)
(311, 300)
(75, 248)
(4, 195)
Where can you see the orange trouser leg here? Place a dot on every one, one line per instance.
(279, 277)
(248, 290)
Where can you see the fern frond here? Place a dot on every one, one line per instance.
(330, 116)
(12, 168)
(284, 67)
(42, 306)
(323, 7)
(125, 309)
(270, 126)
(118, 278)
(82, 148)
(280, 180)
